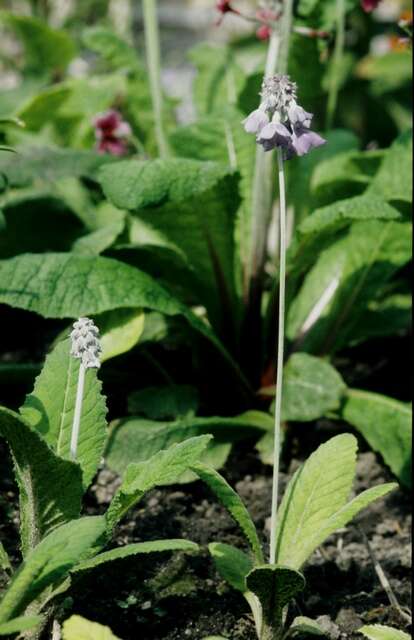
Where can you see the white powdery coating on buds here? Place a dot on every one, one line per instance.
(85, 343)
(278, 93)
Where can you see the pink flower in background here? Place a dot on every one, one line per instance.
(224, 6)
(369, 5)
(112, 133)
(264, 32)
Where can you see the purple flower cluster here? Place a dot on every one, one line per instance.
(281, 122)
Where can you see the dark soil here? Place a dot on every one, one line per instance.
(173, 597)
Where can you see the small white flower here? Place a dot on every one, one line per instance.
(85, 343)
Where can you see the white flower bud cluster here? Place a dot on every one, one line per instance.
(278, 93)
(85, 343)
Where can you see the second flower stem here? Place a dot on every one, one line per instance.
(280, 353)
(78, 412)
(152, 45)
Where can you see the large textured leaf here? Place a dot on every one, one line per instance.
(232, 564)
(50, 409)
(162, 469)
(118, 53)
(320, 229)
(50, 489)
(312, 388)
(78, 628)
(47, 164)
(22, 623)
(137, 439)
(163, 403)
(167, 195)
(220, 138)
(346, 277)
(386, 425)
(382, 632)
(154, 546)
(45, 48)
(315, 502)
(50, 562)
(233, 503)
(69, 286)
(275, 587)
(394, 179)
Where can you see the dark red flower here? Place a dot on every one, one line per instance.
(112, 133)
(224, 6)
(264, 32)
(369, 5)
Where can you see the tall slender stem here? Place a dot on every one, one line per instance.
(334, 72)
(280, 351)
(78, 412)
(152, 44)
(285, 30)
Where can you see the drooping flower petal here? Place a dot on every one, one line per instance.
(255, 122)
(114, 146)
(299, 117)
(305, 140)
(274, 135)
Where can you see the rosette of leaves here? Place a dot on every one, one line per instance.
(57, 541)
(314, 506)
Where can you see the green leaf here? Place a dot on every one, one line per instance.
(388, 316)
(50, 409)
(98, 241)
(345, 279)
(137, 439)
(45, 48)
(386, 425)
(221, 138)
(17, 625)
(219, 79)
(166, 195)
(387, 73)
(275, 587)
(162, 469)
(394, 179)
(232, 564)
(50, 562)
(120, 331)
(154, 546)
(305, 626)
(36, 112)
(47, 164)
(115, 51)
(161, 403)
(78, 628)
(382, 632)
(315, 502)
(68, 286)
(233, 503)
(320, 229)
(312, 388)
(5, 564)
(50, 489)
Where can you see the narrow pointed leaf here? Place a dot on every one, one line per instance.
(17, 625)
(162, 469)
(233, 503)
(50, 562)
(315, 502)
(153, 546)
(382, 632)
(50, 409)
(50, 489)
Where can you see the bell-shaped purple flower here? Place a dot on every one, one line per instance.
(299, 117)
(304, 140)
(255, 122)
(274, 135)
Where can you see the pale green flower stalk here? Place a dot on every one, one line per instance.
(335, 72)
(86, 347)
(152, 45)
(281, 123)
